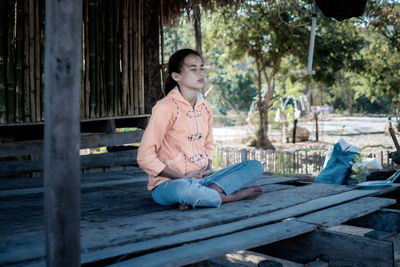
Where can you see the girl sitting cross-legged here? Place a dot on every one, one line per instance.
(176, 148)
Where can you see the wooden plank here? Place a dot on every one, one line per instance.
(203, 218)
(198, 251)
(249, 258)
(339, 249)
(18, 167)
(103, 160)
(190, 226)
(22, 148)
(387, 220)
(344, 212)
(39, 190)
(160, 241)
(29, 183)
(266, 179)
(129, 231)
(62, 78)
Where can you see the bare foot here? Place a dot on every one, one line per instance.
(184, 207)
(245, 193)
(249, 193)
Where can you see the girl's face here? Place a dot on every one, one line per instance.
(192, 75)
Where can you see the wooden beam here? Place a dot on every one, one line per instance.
(339, 249)
(202, 250)
(387, 220)
(23, 148)
(63, 35)
(102, 160)
(347, 211)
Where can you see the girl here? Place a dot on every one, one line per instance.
(176, 148)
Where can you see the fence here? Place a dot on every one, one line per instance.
(299, 162)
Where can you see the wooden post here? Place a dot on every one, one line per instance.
(62, 131)
(316, 126)
(243, 154)
(294, 131)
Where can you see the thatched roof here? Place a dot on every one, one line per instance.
(172, 9)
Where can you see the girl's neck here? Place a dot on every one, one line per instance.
(189, 95)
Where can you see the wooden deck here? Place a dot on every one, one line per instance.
(122, 225)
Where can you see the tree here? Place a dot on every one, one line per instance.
(256, 30)
(382, 32)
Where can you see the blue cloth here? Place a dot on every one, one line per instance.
(338, 167)
(195, 192)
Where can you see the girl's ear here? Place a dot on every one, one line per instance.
(175, 76)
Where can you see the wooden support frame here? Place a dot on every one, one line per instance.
(63, 33)
(202, 250)
(339, 249)
(387, 220)
(23, 148)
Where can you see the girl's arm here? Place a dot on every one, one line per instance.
(209, 166)
(209, 138)
(152, 140)
(167, 172)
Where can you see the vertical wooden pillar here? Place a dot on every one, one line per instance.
(152, 76)
(62, 131)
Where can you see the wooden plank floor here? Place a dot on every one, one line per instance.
(120, 220)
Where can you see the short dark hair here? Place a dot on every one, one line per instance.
(175, 63)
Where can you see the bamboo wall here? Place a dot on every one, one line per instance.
(112, 59)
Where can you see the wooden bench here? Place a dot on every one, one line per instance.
(23, 167)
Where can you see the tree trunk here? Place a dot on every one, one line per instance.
(350, 101)
(197, 28)
(261, 129)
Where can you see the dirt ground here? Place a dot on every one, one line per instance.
(368, 143)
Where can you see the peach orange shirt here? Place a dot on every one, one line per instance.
(178, 136)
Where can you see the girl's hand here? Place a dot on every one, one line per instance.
(199, 173)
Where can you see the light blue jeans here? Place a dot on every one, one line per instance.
(195, 192)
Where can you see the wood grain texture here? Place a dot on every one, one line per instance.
(62, 131)
(339, 249)
(198, 251)
(347, 211)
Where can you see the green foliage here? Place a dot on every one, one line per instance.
(177, 37)
(235, 87)
(217, 162)
(382, 47)
(358, 173)
(356, 61)
(285, 163)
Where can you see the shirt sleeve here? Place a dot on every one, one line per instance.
(160, 122)
(209, 137)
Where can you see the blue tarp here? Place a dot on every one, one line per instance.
(338, 167)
